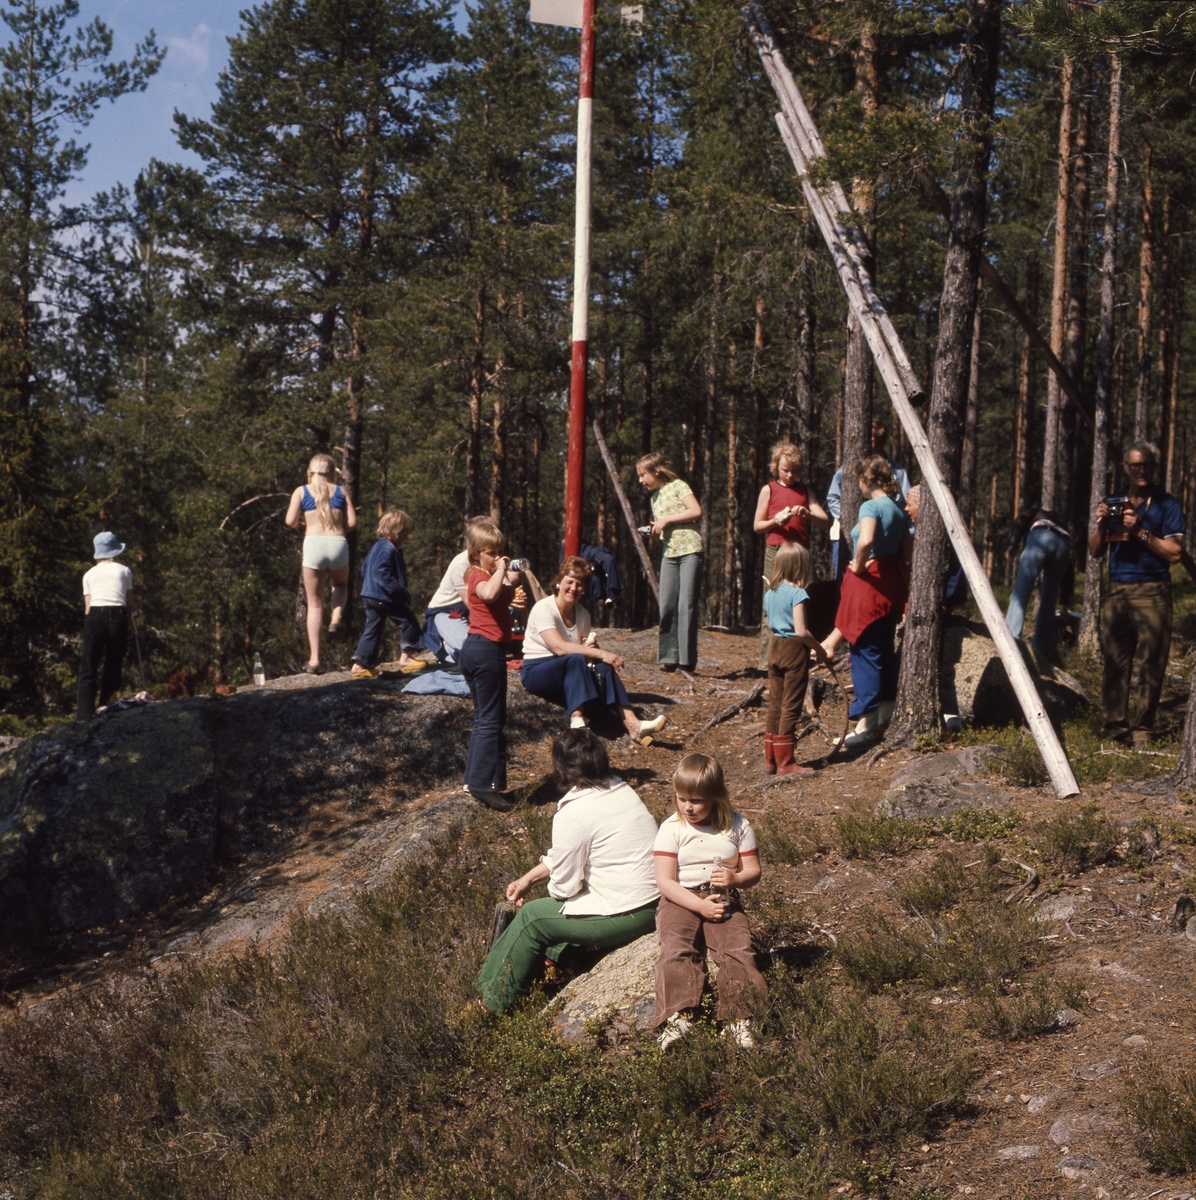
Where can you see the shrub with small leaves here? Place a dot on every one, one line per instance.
(1077, 840)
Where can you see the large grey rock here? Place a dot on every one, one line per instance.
(935, 785)
(105, 819)
(975, 684)
(108, 818)
(622, 986)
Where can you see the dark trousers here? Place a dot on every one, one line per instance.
(1135, 631)
(377, 613)
(788, 675)
(681, 968)
(484, 665)
(573, 681)
(874, 666)
(105, 630)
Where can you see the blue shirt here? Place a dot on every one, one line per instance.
(307, 501)
(834, 493)
(1132, 562)
(384, 573)
(779, 603)
(891, 526)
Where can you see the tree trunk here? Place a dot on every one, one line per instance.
(1177, 317)
(1071, 464)
(918, 705)
(857, 378)
(806, 351)
(383, 471)
(498, 454)
(1050, 442)
(1145, 299)
(732, 573)
(967, 469)
(1167, 306)
(1027, 378)
(477, 385)
(1090, 618)
(601, 407)
(521, 472)
(757, 464)
(707, 496)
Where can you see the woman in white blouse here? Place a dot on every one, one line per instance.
(601, 880)
(563, 663)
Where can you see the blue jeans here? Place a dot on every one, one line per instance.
(377, 612)
(1044, 560)
(572, 681)
(484, 665)
(874, 666)
(679, 581)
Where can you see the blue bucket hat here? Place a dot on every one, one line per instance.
(107, 546)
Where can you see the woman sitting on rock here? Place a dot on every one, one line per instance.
(601, 880)
(562, 662)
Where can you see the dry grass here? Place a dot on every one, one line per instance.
(353, 1064)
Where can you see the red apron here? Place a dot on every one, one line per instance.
(865, 598)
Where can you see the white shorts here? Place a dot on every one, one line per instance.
(325, 553)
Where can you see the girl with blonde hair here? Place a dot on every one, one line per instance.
(328, 516)
(705, 852)
(675, 513)
(785, 512)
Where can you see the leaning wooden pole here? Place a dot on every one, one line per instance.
(637, 538)
(804, 144)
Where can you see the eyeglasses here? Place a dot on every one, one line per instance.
(1139, 466)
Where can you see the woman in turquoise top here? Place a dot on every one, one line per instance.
(874, 591)
(675, 512)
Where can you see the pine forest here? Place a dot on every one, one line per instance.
(376, 261)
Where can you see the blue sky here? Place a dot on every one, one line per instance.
(124, 136)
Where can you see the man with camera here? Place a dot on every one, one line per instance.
(1143, 532)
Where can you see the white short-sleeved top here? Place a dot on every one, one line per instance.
(108, 584)
(695, 847)
(546, 615)
(454, 578)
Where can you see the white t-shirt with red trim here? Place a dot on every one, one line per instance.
(696, 846)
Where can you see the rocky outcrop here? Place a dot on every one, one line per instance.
(621, 988)
(935, 785)
(975, 684)
(113, 817)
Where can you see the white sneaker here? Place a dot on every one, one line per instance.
(740, 1032)
(675, 1028)
(884, 714)
(577, 722)
(648, 728)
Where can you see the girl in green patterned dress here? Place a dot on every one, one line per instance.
(675, 512)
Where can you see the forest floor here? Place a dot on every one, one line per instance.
(1063, 1005)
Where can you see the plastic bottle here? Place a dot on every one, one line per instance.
(720, 892)
(519, 564)
(259, 672)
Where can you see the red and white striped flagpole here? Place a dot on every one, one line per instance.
(576, 462)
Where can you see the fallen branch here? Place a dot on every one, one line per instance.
(876, 754)
(730, 711)
(1027, 885)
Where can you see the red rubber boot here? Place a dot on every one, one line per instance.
(770, 758)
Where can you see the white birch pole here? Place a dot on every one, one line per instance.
(801, 139)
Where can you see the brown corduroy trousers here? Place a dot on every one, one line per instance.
(681, 967)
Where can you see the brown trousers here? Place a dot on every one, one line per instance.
(788, 675)
(1135, 631)
(681, 967)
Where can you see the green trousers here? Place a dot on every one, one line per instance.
(539, 931)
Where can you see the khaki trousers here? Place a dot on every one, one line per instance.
(681, 967)
(1135, 631)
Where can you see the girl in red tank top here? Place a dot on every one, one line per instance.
(785, 495)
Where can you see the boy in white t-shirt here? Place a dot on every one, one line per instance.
(106, 593)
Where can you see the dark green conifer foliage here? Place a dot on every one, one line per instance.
(54, 74)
